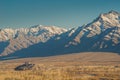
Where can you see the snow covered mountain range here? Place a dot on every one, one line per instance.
(102, 34)
(16, 39)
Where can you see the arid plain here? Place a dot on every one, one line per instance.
(77, 66)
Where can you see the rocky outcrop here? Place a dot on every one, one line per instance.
(25, 66)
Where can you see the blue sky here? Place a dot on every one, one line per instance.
(63, 13)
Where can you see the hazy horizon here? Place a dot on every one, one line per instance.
(62, 13)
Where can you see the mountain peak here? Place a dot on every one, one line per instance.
(35, 26)
(107, 20)
(113, 12)
(111, 15)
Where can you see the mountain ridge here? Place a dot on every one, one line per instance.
(102, 34)
(24, 37)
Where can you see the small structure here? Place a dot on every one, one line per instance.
(25, 66)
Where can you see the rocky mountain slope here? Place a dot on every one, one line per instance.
(102, 34)
(12, 40)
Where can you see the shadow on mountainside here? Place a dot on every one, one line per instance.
(50, 48)
(56, 46)
(3, 45)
